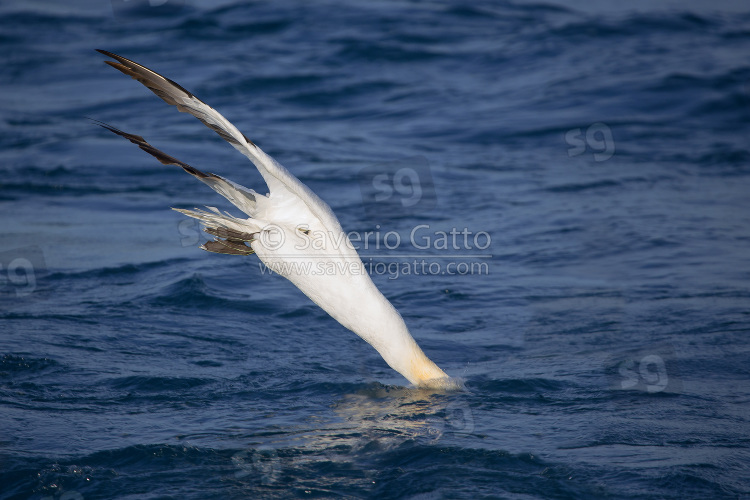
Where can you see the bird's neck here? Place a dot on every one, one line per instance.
(389, 335)
(362, 309)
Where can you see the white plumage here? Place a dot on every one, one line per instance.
(281, 227)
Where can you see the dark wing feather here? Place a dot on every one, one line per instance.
(175, 95)
(163, 158)
(240, 196)
(230, 234)
(220, 246)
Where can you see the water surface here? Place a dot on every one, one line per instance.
(602, 332)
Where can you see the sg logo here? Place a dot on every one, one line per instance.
(598, 137)
(262, 464)
(404, 183)
(649, 370)
(397, 188)
(19, 270)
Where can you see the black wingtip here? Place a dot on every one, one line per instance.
(135, 139)
(107, 53)
(130, 68)
(106, 126)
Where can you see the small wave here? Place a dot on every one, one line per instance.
(518, 386)
(117, 271)
(585, 186)
(193, 292)
(156, 384)
(634, 25)
(14, 364)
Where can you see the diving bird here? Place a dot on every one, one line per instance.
(293, 232)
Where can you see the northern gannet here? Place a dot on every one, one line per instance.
(294, 233)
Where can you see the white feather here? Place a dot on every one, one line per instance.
(284, 225)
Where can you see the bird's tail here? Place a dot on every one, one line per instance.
(231, 235)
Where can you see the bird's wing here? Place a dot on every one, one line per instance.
(281, 183)
(243, 198)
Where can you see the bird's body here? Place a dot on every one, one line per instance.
(295, 234)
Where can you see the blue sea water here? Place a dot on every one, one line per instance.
(592, 161)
